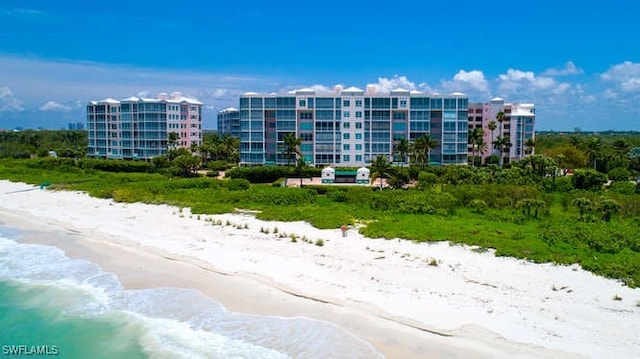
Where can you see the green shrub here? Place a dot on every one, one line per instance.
(623, 187)
(115, 165)
(478, 206)
(237, 184)
(427, 179)
(217, 165)
(258, 174)
(619, 174)
(588, 179)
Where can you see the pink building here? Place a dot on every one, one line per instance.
(518, 126)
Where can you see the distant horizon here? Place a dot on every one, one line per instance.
(583, 71)
(582, 131)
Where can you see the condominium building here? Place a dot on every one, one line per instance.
(518, 126)
(350, 127)
(139, 128)
(229, 122)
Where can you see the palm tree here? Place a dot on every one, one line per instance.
(301, 169)
(492, 127)
(291, 148)
(530, 145)
(584, 206)
(475, 140)
(402, 149)
(230, 147)
(593, 149)
(500, 117)
(380, 167)
(173, 138)
(501, 144)
(621, 149)
(421, 147)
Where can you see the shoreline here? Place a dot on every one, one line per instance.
(260, 288)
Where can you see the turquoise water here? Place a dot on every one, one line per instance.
(72, 308)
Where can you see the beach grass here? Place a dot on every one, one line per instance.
(608, 248)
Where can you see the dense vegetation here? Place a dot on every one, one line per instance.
(574, 202)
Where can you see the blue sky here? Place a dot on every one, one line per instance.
(578, 61)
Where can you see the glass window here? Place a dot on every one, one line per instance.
(358, 125)
(358, 147)
(346, 114)
(358, 136)
(324, 102)
(346, 147)
(346, 136)
(436, 103)
(302, 103)
(358, 158)
(358, 103)
(345, 158)
(346, 125)
(256, 102)
(346, 103)
(358, 114)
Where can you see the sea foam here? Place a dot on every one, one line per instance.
(166, 322)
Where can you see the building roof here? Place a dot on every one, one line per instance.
(497, 99)
(401, 90)
(305, 90)
(228, 109)
(352, 89)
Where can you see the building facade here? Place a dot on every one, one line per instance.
(518, 126)
(350, 127)
(139, 128)
(229, 122)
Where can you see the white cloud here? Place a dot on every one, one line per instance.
(322, 89)
(569, 69)
(622, 71)
(610, 94)
(626, 76)
(517, 81)
(22, 12)
(385, 84)
(472, 82)
(9, 102)
(54, 106)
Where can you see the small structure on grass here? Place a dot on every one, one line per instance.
(363, 175)
(328, 175)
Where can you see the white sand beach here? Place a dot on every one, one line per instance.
(408, 300)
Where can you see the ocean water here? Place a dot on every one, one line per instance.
(50, 303)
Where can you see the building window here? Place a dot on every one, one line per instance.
(346, 136)
(303, 103)
(358, 114)
(403, 103)
(358, 125)
(345, 158)
(346, 114)
(358, 103)
(346, 103)
(358, 147)
(346, 147)
(346, 125)
(358, 158)
(358, 136)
